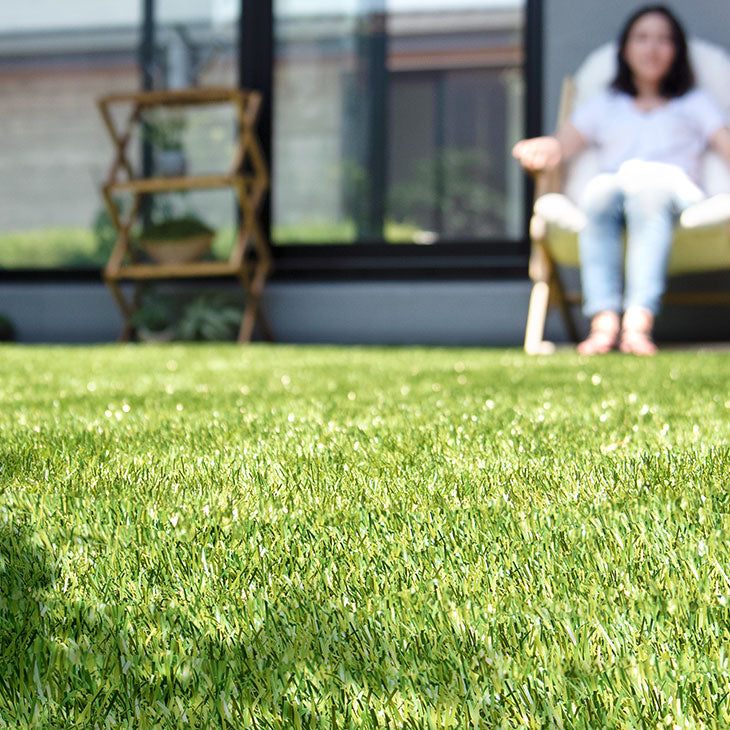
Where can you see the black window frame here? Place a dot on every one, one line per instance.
(492, 259)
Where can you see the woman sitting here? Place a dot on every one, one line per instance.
(650, 127)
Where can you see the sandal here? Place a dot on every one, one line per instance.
(636, 336)
(603, 336)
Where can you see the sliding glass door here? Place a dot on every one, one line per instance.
(393, 121)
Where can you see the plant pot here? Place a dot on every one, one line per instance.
(179, 251)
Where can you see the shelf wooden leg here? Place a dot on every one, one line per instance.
(248, 320)
(253, 312)
(266, 330)
(124, 308)
(249, 262)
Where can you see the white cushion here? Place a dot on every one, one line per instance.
(559, 210)
(701, 241)
(711, 65)
(710, 212)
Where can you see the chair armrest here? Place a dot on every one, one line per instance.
(548, 182)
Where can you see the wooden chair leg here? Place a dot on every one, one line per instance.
(558, 291)
(536, 315)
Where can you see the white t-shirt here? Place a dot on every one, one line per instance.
(676, 133)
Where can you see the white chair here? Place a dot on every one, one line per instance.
(702, 237)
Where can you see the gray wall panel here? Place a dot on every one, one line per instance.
(573, 28)
(482, 313)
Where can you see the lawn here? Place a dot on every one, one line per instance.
(321, 537)
(54, 248)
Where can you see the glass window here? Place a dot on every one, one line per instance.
(55, 60)
(393, 121)
(196, 43)
(196, 46)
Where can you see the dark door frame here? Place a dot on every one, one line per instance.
(378, 259)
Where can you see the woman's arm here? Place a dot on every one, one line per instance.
(546, 153)
(720, 142)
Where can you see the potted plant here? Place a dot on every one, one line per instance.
(7, 330)
(209, 317)
(176, 240)
(164, 130)
(153, 321)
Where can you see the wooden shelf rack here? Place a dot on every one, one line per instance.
(250, 260)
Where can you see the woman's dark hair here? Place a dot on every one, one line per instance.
(679, 79)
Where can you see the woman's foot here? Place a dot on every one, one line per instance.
(636, 332)
(603, 336)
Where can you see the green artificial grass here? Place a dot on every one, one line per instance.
(320, 537)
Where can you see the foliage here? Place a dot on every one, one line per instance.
(454, 186)
(154, 314)
(209, 317)
(355, 193)
(7, 329)
(318, 537)
(164, 128)
(105, 234)
(51, 247)
(90, 247)
(174, 229)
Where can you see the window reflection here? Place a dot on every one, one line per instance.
(196, 45)
(53, 147)
(54, 150)
(393, 120)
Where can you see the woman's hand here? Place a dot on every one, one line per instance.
(539, 153)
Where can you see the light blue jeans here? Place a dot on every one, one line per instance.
(649, 214)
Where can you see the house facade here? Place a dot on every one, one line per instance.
(396, 213)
